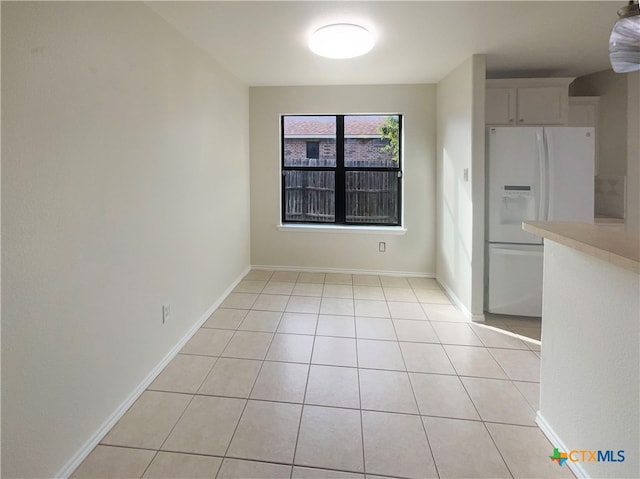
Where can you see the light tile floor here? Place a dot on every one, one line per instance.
(313, 375)
(524, 326)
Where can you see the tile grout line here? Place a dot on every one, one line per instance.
(418, 321)
(415, 398)
(244, 408)
(193, 396)
(167, 437)
(364, 461)
(511, 380)
(467, 393)
(336, 407)
(304, 396)
(355, 342)
(505, 371)
(497, 449)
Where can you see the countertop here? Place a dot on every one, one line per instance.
(616, 247)
(608, 220)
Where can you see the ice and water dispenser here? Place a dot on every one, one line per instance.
(518, 204)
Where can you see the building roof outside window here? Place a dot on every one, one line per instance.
(363, 126)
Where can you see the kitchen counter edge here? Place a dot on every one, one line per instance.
(608, 220)
(616, 247)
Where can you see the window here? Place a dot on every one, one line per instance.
(342, 169)
(313, 150)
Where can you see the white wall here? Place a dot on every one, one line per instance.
(125, 185)
(612, 122)
(0, 250)
(590, 358)
(460, 126)
(412, 252)
(633, 154)
(478, 169)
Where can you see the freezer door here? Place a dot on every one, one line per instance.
(570, 173)
(514, 182)
(515, 280)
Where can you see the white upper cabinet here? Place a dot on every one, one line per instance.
(500, 106)
(527, 101)
(542, 106)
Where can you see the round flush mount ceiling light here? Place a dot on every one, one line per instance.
(624, 43)
(341, 40)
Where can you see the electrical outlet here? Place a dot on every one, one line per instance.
(382, 247)
(166, 312)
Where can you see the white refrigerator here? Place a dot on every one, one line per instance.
(534, 173)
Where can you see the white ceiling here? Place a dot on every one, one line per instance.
(265, 42)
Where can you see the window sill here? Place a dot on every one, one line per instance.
(302, 228)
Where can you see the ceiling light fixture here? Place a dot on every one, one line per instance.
(341, 40)
(624, 43)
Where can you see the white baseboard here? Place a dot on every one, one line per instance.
(555, 440)
(476, 318)
(409, 274)
(456, 301)
(102, 431)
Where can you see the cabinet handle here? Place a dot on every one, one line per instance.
(510, 120)
(521, 119)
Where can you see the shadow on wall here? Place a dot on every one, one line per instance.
(456, 235)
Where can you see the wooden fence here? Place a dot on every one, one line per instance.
(310, 196)
(370, 196)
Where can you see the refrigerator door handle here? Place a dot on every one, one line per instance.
(543, 205)
(552, 159)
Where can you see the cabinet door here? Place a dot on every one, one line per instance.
(500, 106)
(542, 106)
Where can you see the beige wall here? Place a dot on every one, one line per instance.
(633, 154)
(612, 122)
(125, 185)
(460, 202)
(0, 260)
(412, 252)
(618, 124)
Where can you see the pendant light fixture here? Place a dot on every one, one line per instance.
(341, 40)
(624, 43)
